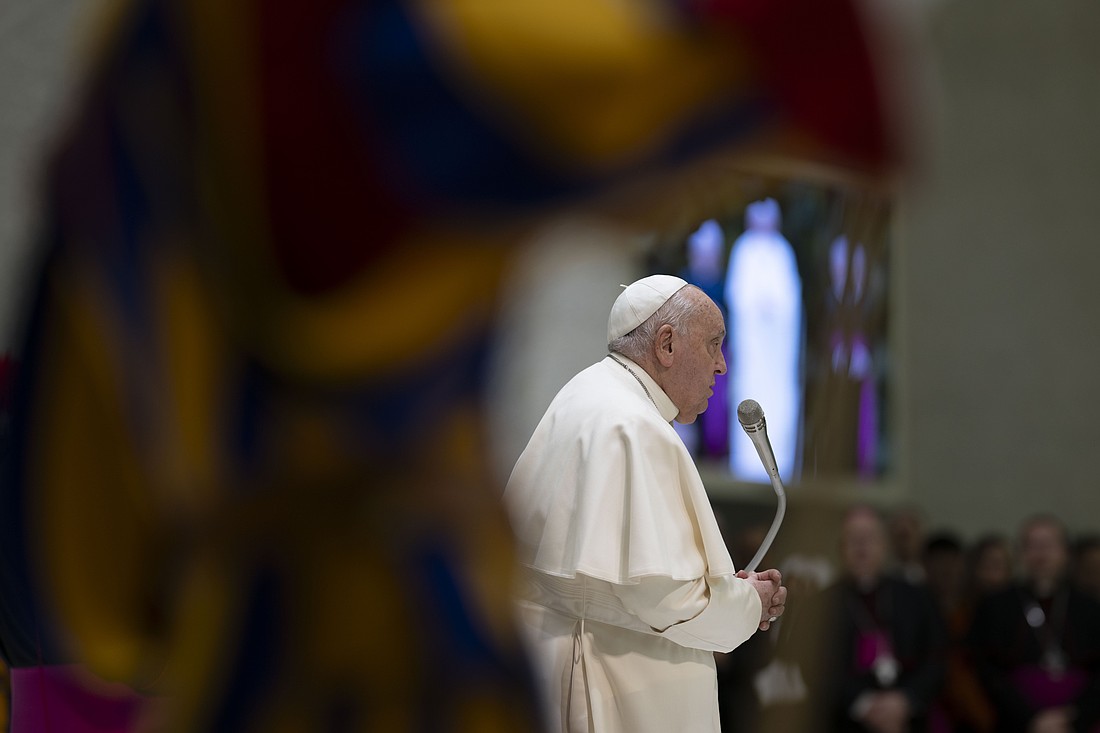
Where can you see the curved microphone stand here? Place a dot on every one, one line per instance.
(751, 417)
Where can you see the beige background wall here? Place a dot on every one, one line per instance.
(1000, 271)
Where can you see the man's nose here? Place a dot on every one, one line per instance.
(721, 363)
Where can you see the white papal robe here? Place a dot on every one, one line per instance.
(626, 587)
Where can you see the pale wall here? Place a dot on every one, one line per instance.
(1001, 270)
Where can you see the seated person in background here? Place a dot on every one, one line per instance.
(779, 687)
(945, 570)
(1036, 644)
(906, 530)
(963, 706)
(990, 565)
(880, 661)
(1086, 565)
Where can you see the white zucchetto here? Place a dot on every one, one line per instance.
(639, 301)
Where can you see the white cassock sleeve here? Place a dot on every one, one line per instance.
(715, 614)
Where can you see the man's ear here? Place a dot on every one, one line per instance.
(663, 345)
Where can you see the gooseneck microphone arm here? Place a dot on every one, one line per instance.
(751, 417)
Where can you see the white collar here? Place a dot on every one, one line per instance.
(662, 401)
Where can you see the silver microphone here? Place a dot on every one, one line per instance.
(751, 417)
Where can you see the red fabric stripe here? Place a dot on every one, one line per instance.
(331, 214)
(815, 62)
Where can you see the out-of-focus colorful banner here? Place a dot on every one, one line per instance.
(247, 471)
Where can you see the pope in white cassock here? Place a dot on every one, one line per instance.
(626, 586)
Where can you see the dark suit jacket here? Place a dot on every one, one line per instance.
(1002, 642)
(829, 631)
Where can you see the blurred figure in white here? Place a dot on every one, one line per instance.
(764, 297)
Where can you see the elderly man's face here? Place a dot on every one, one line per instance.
(993, 568)
(698, 359)
(1043, 551)
(863, 546)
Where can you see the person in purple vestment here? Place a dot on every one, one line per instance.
(1036, 643)
(873, 644)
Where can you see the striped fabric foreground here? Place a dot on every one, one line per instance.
(245, 487)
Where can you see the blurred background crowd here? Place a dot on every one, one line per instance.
(941, 633)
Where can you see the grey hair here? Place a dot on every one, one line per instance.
(675, 312)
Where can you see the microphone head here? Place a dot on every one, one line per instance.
(749, 413)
